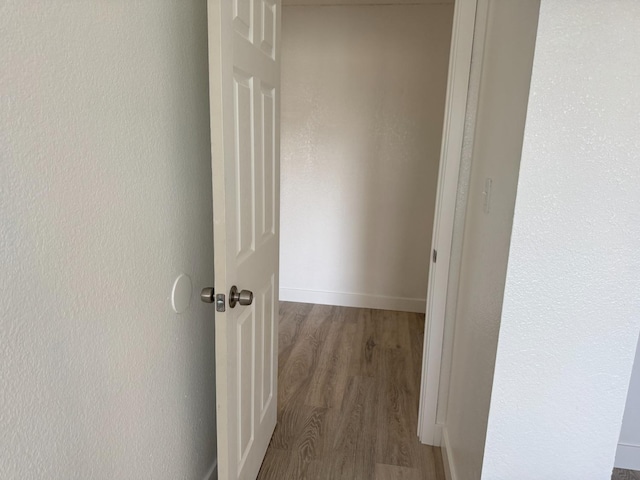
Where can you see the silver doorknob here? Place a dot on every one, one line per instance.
(207, 295)
(243, 297)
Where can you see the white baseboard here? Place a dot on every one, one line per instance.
(628, 457)
(447, 457)
(212, 474)
(360, 300)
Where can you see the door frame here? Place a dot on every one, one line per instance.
(462, 37)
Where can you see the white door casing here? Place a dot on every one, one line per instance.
(244, 90)
(464, 20)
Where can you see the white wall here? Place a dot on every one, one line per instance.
(105, 198)
(571, 308)
(363, 90)
(362, 2)
(501, 109)
(628, 453)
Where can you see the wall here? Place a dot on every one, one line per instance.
(362, 2)
(571, 311)
(501, 109)
(105, 198)
(363, 91)
(628, 453)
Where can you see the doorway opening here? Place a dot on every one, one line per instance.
(364, 89)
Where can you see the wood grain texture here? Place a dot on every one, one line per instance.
(619, 474)
(348, 386)
(391, 472)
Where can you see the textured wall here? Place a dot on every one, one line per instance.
(363, 2)
(571, 312)
(501, 110)
(105, 198)
(628, 454)
(363, 91)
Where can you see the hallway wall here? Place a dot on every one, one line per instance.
(628, 453)
(105, 197)
(363, 92)
(570, 318)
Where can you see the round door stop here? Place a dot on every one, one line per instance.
(181, 294)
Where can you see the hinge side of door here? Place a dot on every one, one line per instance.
(435, 255)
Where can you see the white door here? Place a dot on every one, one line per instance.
(244, 83)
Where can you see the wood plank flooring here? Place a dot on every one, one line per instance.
(348, 387)
(619, 474)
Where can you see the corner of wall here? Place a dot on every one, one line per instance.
(212, 474)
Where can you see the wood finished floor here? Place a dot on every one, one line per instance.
(619, 474)
(348, 387)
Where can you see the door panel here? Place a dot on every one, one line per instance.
(244, 81)
(244, 163)
(269, 353)
(269, 28)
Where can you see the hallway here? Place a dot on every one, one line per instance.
(348, 389)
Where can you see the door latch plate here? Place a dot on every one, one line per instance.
(220, 302)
